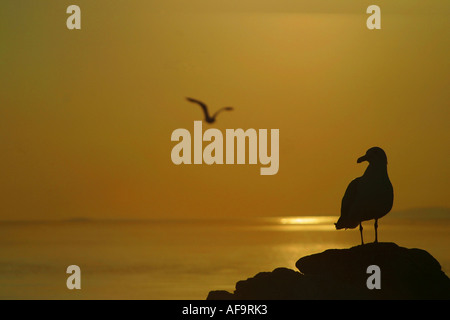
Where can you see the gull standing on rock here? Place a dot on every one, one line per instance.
(368, 197)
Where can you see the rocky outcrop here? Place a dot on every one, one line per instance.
(342, 274)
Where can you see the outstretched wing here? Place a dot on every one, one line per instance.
(346, 221)
(220, 110)
(201, 104)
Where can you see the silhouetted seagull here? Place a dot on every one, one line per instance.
(208, 118)
(368, 197)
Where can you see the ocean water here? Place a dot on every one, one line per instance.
(180, 259)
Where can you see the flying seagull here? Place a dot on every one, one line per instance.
(370, 196)
(208, 118)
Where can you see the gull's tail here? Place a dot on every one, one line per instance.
(345, 224)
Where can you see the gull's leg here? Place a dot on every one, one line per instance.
(361, 230)
(376, 228)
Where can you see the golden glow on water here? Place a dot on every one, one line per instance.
(180, 259)
(301, 223)
(307, 220)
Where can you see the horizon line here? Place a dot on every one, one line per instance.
(206, 219)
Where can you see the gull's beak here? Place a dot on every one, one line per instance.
(361, 159)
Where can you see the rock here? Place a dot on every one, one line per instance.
(342, 274)
(220, 295)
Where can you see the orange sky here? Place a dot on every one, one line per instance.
(87, 116)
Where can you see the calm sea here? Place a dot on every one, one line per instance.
(180, 259)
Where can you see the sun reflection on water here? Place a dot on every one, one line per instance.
(307, 220)
(306, 223)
